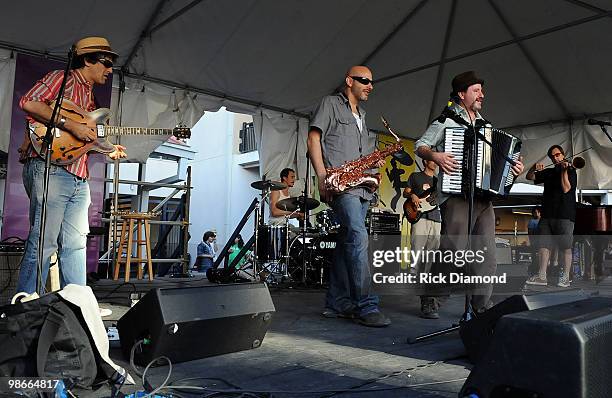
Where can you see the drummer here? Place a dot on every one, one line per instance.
(278, 216)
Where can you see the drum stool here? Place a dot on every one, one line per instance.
(126, 242)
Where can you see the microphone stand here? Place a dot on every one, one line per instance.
(603, 128)
(306, 217)
(471, 139)
(47, 145)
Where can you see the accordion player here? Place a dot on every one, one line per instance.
(493, 172)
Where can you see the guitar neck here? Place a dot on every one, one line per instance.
(116, 130)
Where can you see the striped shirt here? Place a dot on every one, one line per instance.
(78, 90)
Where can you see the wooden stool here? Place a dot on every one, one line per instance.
(141, 219)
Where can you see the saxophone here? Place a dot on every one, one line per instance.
(352, 174)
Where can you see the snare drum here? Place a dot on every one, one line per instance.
(271, 243)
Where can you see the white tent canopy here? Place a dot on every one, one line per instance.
(545, 62)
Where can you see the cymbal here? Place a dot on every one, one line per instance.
(268, 184)
(300, 202)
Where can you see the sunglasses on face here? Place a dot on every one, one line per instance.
(106, 62)
(363, 80)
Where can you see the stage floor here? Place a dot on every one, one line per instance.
(303, 351)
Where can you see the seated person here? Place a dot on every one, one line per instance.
(235, 249)
(206, 252)
(278, 216)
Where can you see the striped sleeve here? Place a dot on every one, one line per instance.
(45, 90)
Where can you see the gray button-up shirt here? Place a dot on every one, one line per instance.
(341, 139)
(434, 138)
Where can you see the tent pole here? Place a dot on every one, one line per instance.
(449, 28)
(531, 60)
(492, 47)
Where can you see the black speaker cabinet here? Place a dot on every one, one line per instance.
(559, 351)
(197, 322)
(477, 332)
(516, 276)
(9, 274)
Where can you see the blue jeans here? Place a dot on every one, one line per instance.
(350, 281)
(66, 228)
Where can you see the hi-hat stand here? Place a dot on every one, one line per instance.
(306, 194)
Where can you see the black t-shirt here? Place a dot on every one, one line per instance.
(419, 182)
(555, 203)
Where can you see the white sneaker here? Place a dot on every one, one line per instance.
(564, 282)
(536, 280)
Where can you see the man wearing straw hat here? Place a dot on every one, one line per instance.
(68, 199)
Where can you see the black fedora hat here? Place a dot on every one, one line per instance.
(464, 80)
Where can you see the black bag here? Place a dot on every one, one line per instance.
(45, 338)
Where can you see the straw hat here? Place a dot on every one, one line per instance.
(94, 45)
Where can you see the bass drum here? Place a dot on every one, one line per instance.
(319, 253)
(327, 221)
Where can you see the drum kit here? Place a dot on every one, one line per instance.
(282, 255)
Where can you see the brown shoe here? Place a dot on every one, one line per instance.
(429, 308)
(374, 319)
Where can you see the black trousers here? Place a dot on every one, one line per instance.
(454, 239)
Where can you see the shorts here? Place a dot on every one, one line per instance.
(555, 232)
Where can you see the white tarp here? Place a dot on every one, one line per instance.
(146, 104)
(281, 140)
(545, 60)
(7, 79)
(578, 138)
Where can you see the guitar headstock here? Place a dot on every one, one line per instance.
(182, 132)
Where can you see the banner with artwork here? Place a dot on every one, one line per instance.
(394, 179)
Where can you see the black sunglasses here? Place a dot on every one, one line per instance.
(106, 62)
(363, 80)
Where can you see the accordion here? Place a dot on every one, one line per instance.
(493, 172)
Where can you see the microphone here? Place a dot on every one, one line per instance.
(599, 123)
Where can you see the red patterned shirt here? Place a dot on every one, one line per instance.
(78, 90)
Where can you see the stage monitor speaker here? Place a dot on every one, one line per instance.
(478, 331)
(559, 351)
(196, 322)
(516, 276)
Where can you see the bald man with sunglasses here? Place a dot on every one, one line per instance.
(338, 134)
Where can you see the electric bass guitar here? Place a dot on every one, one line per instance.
(414, 212)
(67, 148)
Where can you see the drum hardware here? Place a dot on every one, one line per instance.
(271, 256)
(256, 208)
(326, 222)
(317, 252)
(297, 203)
(273, 252)
(293, 205)
(268, 185)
